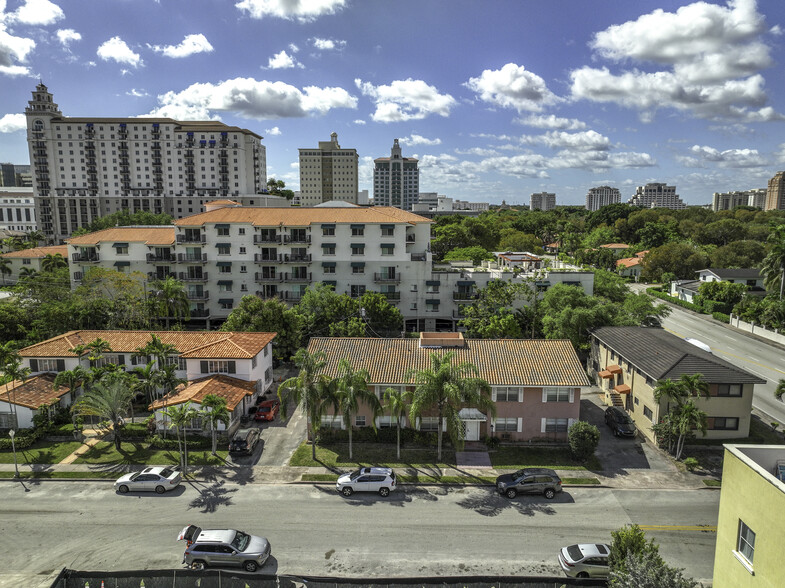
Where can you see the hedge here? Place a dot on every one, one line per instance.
(24, 439)
(722, 317)
(387, 435)
(683, 303)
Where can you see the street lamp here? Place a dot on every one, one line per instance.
(11, 433)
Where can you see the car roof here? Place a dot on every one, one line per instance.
(216, 536)
(155, 469)
(268, 403)
(381, 471)
(614, 410)
(243, 433)
(535, 471)
(594, 549)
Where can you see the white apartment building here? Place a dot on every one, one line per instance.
(328, 173)
(601, 196)
(431, 202)
(25, 261)
(85, 168)
(17, 209)
(730, 200)
(657, 196)
(396, 180)
(543, 201)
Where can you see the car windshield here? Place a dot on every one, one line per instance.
(264, 409)
(519, 474)
(240, 541)
(134, 476)
(166, 472)
(575, 553)
(624, 419)
(354, 475)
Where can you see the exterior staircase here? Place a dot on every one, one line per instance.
(616, 399)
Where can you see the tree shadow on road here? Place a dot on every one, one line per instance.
(213, 496)
(491, 504)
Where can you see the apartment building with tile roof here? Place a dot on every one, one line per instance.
(27, 397)
(30, 259)
(536, 384)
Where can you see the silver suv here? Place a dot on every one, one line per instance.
(381, 480)
(223, 547)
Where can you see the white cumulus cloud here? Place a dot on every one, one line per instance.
(250, 98)
(68, 36)
(115, 49)
(301, 10)
(701, 155)
(13, 53)
(583, 141)
(327, 44)
(415, 139)
(35, 12)
(404, 100)
(190, 45)
(272, 132)
(11, 123)
(282, 60)
(551, 121)
(512, 86)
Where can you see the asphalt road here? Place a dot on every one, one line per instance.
(756, 357)
(313, 530)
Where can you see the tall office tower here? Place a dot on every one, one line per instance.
(543, 201)
(730, 200)
(396, 180)
(328, 173)
(775, 195)
(85, 168)
(602, 196)
(657, 196)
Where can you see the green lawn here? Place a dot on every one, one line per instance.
(66, 475)
(41, 452)
(139, 453)
(558, 458)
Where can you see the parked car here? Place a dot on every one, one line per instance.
(529, 481)
(620, 422)
(381, 480)
(157, 479)
(244, 441)
(587, 560)
(267, 410)
(223, 547)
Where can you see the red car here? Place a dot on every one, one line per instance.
(266, 410)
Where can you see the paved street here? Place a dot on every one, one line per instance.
(313, 530)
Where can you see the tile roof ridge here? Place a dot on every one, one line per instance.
(228, 338)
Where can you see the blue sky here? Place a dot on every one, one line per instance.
(498, 99)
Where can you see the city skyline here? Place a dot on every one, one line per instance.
(515, 100)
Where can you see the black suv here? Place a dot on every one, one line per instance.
(244, 441)
(529, 481)
(620, 422)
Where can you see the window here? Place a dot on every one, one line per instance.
(121, 250)
(254, 361)
(266, 350)
(358, 269)
(507, 394)
(506, 425)
(225, 287)
(724, 423)
(388, 422)
(328, 231)
(388, 249)
(218, 367)
(48, 365)
(746, 543)
(329, 269)
(224, 249)
(358, 249)
(241, 231)
(556, 394)
(225, 269)
(556, 425)
(358, 231)
(181, 366)
(223, 231)
(331, 422)
(647, 413)
(729, 390)
(388, 231)
(328, 248)
(359, 420)
(429, 423)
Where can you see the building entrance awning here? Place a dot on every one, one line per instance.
(614, 369)
(605, 375)
(622, 389)
(471, 414)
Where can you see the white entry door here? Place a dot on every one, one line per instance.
(472, 430)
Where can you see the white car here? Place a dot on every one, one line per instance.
(381, 480)
(587, 560)
(158, 479)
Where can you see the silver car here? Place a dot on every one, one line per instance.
(587, 560)
(223, 547)
(381, 480)
(158, 479)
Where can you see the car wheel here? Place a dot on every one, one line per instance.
(582, 575)
(250, 566)
(123, 489)
(160, 489)
(549, 493)
(347, 491)
(384, 491)
(198, 564)
(511, 493)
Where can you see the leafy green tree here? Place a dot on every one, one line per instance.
(108, 299)
(626, 540)
(351, 389)
(171, 300)
(600, 236)
(382, 319)
(637, 307)
(397, 400)
(648, 570)
(447, 237)
(109, 402)
(306, 391)
(778, 393)
(608, 215)
(33, 238)
(610, 285)
(52, 262)
(690, 418)
(738, 254)
(491, 316)
(214, 411)
(773, 266)
(512, 240)
(683, 416)
(568, 313)
(679, 258)
(324, 313)
(269, 316)
(475, 254)
(655, 235)
(73, 379)
(5, 268)
(725, 292)
(125, 218)
(583, 438)
(722, 232)
(278, 188)
(446, 388)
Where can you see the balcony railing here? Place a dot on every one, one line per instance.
(82, 257)
(291, 277)
(200, 313)
(268, 279)
(259, 239)
(192, 238)
(77, 276)
(291, 296)
(419, 256)
(464, 295)
(155, 276)
(266, 296)
(292, 258)
(386, 278)
(198, 295)
(186, 277)
(191, 258)
(265, 258)
(154, 257)
(391, 296)
(296, 238)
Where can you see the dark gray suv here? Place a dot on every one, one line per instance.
(529, 481)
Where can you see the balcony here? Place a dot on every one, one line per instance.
(260, 239)
(391, 296)
(410, 238)
(291, 277)
(291, 296)
(198, 295)
(200, 313)
(155, 276)
(267, 296)
(192, 238)
(265, 258)
(186, 277)
(464, 296)
(260, 278)
(419, 256)
(191, 258)
(296, 238)
(386, 278)
(86, 257)
(292, 258)
(156, 258)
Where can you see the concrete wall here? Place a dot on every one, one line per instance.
(759, 330)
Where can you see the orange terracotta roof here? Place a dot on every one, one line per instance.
(146, 235)
(642, 253)
(232, 389)
(501, 362)
(615, 246)
(38, 252)
(222, 202)
(628, 262)
(301, 217)
(34, 392)
(191, 344)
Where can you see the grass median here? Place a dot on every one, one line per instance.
(140, 453)
(41, 452)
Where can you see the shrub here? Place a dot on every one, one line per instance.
(583, 438)
(691, 463)
(721, 316)
(683, 303)
(23, 439)
(629, 539)
(492, 442)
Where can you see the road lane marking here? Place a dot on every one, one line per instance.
(709, 528)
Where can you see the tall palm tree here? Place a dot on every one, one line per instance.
(690, 418)
(52, 262)
(73, 379)
(694, 385)
(147, 378)
(397, 402)
(157, 349)
(217, 413)
(180, 416)
(13, 371)
(109, 401)
(448, 387)
(170, 299)
(306, 389)
(34, 237)
(166, 379)
(351, 389)
(5, 268)
(27, 272)
(773, 266)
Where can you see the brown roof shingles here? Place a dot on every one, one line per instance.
(501, 362)
(34, 392)
(232, 389)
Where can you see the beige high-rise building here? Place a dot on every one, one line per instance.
(730, 200)
(657, 195)
(602, 196)
(396, 180)
(328, 173)
(543, 201)
(775, 194)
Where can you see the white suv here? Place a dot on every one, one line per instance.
(381, 480)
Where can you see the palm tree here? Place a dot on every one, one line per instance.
(170, 299)
(52, 262)
(27, 272)
(33, 237)
(670, 391)
(448, 387)
(217, 413)
(690, 417)
(73, 379)
(351, 388)
(306, 389)
(694, 385)
(146, 380)
(14, 372)
(397, 401)
(780, 390)
(109, 401)
(180, 416)
(5, 267)
(157, 349)
(166, 379)
(773, 266)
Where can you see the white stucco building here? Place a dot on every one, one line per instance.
(17, 210)
(542, 201)
(657, 195)
(601, 196)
